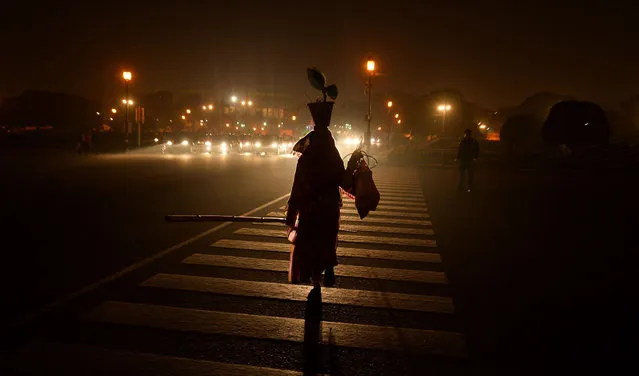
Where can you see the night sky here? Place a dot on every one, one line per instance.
(496, 53)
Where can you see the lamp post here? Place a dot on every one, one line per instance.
(370, 67)
(127, 76)
(444, 108)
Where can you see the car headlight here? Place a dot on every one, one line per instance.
(258, 144)
(274, 145)
(169, 143)
(247, 144)
(207, 143)
(185, 143)
(155, 139)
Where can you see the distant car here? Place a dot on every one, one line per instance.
(246, 144)
(270, 145)
(179, 144)
(286, 144)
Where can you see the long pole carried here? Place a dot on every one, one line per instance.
(221, 218)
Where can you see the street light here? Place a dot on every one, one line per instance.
(370, 67)
(130, 101)
(250, 103)
(399, 121)
(389, 104)
(379, 128)
(444, 108)
(188, 111)
(127, 76)
(204, 108)
(293, 117)
(234, 99)
(210, 106)
(243, 103)
(396, 116)
(183, 117)
(113, 110)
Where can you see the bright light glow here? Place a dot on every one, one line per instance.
(247, 144)
(279, 126)
(185, 143)
(234, 99)
(155, 139)
(399, 121)
(254, 129)
(183, 117)
(396, 116)
(293, 117)
(169, 143)
(111, 119)
(379, 128)
(444, 107)
(264, 123)
(372, 140)
(127, 76)
(250, 103)
(258, 144)
(274, 145)
(389, 104)
(208, 147)
(224, 147)
(349, 141)
(188, 111)
(290, 145)
(262, 128)
(113, 110)
(207, 143)
(482, 126)
(97, 113)
(228, 125)
(370, 65)
(210, 106)
(204, 107)
(243, 103)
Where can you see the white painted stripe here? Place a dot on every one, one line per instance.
(383, 207)
(299, 293)
(383, 214)
(371, 228)
(57, 358)
(341, 251)
(388, 214)
(344, 237)
(419, 198)
(398, 196)
(30, 316)
(372, 219)
(280, 328)
(386, 201)
(353, 271)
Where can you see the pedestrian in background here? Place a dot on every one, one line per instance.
(467, 154)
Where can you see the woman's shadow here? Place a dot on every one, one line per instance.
(313, 349)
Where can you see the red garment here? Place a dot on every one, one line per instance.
(316, 199)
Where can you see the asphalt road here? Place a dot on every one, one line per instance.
(69, 221)
(538, 266)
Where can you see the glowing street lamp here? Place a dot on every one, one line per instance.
(389, 104)
(243, 103)
(183, 117)
(204, 108)
(129, 102)
(443, 108)
(396, 116)
(379, 128)
(399, 121)
(127, 76)
(233, 99)
(113, 110)
(370, 67)
(188, 111)
(293, 117)
(210, 106)
(250, 103)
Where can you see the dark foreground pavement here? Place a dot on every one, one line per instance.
(542, 265)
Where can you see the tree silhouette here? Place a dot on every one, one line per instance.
(575, 123)
(520, 132)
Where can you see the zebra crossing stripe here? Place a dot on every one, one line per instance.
(384, 201)
(341, 251)
(386, 207)
(299, 293)
(370, 219)
(347, 238)
(58, 358)
(352, 271)
(372, 228)
(349, 335)
(383, 213)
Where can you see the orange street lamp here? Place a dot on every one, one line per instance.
(210, 106)
(444, 108)
(188, 111)
(127, 76)
(204, 108)
(183, 117)
(396, 116)
(389, 104)
(113, 110)
(293, 117)
(370, 67)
